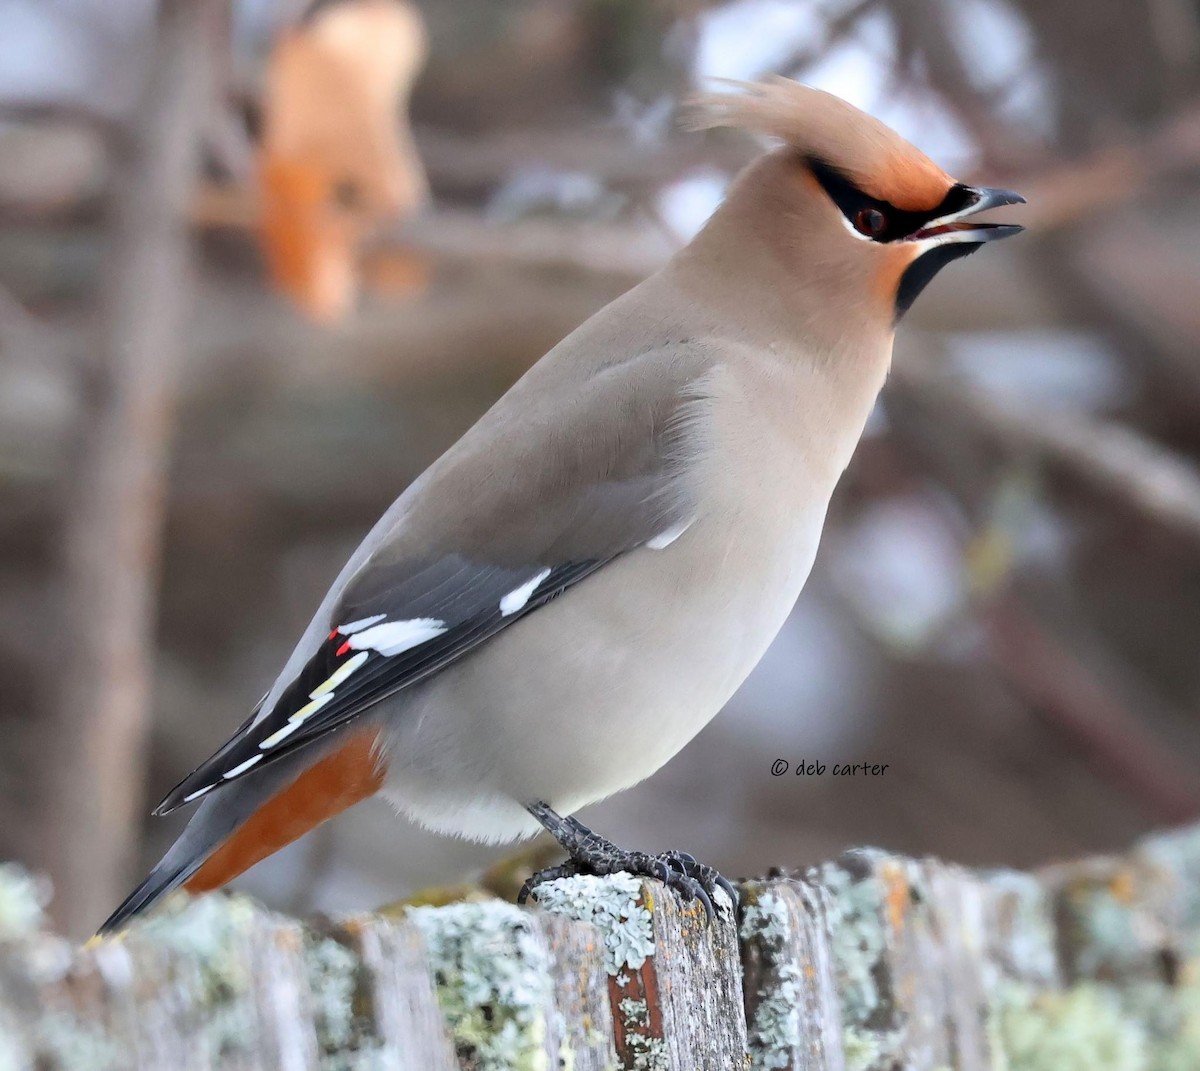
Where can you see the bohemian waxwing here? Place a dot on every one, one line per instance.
(569, 594)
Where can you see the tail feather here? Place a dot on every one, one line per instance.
(253, 818)
(160, 881)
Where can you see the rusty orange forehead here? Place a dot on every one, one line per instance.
(910, 181)
(821, 126)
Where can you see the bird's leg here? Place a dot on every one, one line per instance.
(589, 853)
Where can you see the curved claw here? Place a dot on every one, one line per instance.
(550, 873)
(680, 862)
(704, 877)
(706, 901)
(690, 889)
(729, 889)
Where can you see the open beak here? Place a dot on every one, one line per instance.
(952, 228)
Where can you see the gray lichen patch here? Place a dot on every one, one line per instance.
(493, 982)
(1174, 859)
(53, 1035)
(1107, 926)
(1021, 930)
(860, 906)
(611, 905)
(858, 939)
(206, 943)
(648, 1054)
(40, 967)
(1117, 915)
(634, 1012)
(1083, 1029)
(774, 1029)
(868, 1049)
(23, 899)
(66, 1043)
(1096, 1026)
(343, 1020)
(1170, 1017)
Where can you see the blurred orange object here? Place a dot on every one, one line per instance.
(337, 152)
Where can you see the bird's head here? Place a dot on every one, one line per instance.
(847, 204)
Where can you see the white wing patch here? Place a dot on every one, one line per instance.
(367, 634)
(517, 598)
(665, 539)
(395, 637)
(360, 624)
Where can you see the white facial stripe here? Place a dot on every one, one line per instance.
(395, 637)
(923, 245)
(198, 793)
(242, 767)
(360, 624)
(340, 674)
(852, 229)
(517, 598)
(665, 539)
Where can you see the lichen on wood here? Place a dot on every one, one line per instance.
(862, 964)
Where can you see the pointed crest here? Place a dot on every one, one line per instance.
(819, 125)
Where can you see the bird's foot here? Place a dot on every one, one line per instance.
(590, 853)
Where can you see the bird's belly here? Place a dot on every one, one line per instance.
(597, 690)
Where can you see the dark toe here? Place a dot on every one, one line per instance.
(691, 889)
(551, 873)
(659, 869)
(708, 878)
(729, 888)
(592, 854)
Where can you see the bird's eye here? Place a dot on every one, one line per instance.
(871, 222)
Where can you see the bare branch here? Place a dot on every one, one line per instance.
(95, 739)
(1066, 694)
(1114, 460)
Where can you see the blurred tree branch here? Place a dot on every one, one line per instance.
(925, 44)
(1116, 461)
(1034, 637)
(94, 740)
(1064, 691)
(20, 329)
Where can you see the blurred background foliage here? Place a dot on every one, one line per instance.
(262, 261)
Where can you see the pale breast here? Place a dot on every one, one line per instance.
(598, 689)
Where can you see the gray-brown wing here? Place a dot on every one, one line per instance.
(498, 528)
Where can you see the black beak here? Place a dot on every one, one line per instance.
(988, 197)
(950, 236)
(951, 228)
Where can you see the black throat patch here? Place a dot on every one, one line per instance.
(921, 271)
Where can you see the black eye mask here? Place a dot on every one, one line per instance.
(897, 223)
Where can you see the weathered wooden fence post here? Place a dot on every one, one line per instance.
(869, 963)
